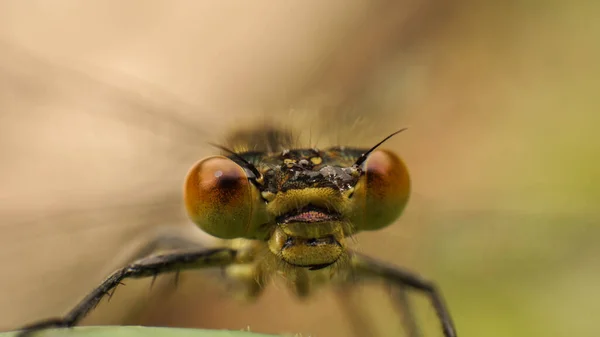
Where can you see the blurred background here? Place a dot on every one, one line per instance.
(104, 105)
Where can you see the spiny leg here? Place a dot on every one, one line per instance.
(158, 240)
(147, 267)
(370, 268)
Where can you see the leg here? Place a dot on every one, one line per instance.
(370, 268)
(158, 240)
(150, 266)
(155, 241)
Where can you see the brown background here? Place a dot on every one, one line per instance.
(105, 104)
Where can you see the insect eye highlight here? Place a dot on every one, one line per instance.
(220, 199)
(382, 192)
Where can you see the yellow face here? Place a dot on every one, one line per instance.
(302, 202)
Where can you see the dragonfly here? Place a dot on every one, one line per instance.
(282, 211)
(127, 220)
(294, 209)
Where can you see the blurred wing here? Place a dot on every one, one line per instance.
(87, 167)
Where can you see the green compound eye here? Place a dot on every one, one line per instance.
(221, 200)
(382, 193)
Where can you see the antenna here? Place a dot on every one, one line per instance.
(364, 156)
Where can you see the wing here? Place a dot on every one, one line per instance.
(80, 178)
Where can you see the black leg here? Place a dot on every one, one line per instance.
(371, 268)
(160, 240)
(146, 267)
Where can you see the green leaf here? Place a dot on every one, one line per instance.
(135, 331)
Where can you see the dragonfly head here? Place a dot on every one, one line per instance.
(303, 202)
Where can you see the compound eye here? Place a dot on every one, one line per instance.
(382, 192)
(220, 199)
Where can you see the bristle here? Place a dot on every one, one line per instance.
(262, 138)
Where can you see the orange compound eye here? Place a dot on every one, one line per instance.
(221, 200)
(382, 193)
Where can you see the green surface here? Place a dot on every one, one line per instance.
(132, 331)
